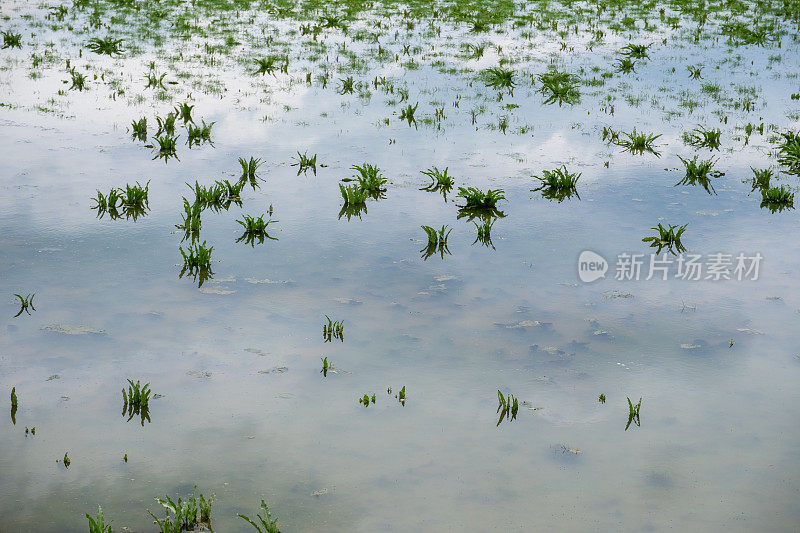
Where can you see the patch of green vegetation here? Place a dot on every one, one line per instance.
(777, 198)
(669, 238)
(633, 413)
(187, 515)
(25, 304)
(440, 181)
(249, 169)
(702, 138)
(699, 173)
(638, 143)
(136, 401)
(507, 407)
(98, 525)
(255, 229)
(558, 184)
(11, 39)
(304, 162)
(560, 87)
(266, 524)
(197, 262)
(108, 46)
(333, 330)
(437, 242)
(789, 152)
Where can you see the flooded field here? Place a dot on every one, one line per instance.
(423, 266)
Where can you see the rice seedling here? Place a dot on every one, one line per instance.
(266, 524)
(695, 73)
(507, 407)
(477, 199)
(761, 178)
(266, 65)
(25, 304)
(370, 179)
(135, 195)
(333, 330)
(440, 181)
(601, 398)
(188, 514)
(154, 80)
(561, 87)
(197, 262)
(366, 399)
(702, 138)
(699, 173)
(78, 80)
(249, 169)
(255, 229)
(638, 143)
(789, 152)
(347, 85)
(407, 113)
(108, 46)
(184, 112)
(14, 405)
(305, 163)
(777, 198)
(167, 124)
(355, 201)
(136, 401)
(474, 51)
(633, 413)
(66, 460)
(437, 242)
(484, 233)
(98, 525)
(637, 51)
(199, 134)
(401, 396)
(667, 237)
(625, 65)
(167, 146)
(500, 78)
(558, 184)
(191, 220)
(139, 129)
(325, 366)
(11, 39)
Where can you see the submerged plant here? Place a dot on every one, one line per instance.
(130, 202)
(167, 146)
(669, 238)
(66, 460)
(166, 124)
(78, 80)
(638, 143)
(777, 198)
(188, 514)
(638, 51)
(136, 401)
(108, 46)
(197, 262)
(702, 138)
(365, 400)
(184, 111)
(266, 524)
(507, 407)
(477, 199)
(789, 152)
(139, 129)
(304, 162)
(558, 184)
(255, 229)
(11, 39)
(25, 304)
(370, 179)
(98, 525)
(333, 330)
(407, 113)
(440, 181)
(14, 405)
(199, 134)
(625, 65)
(326, 367)
(561, 87)
(191, 220)
(249, 169)
(355, 201)
(484, 233)
(699, 173)
(761, 178)
(437, 242)
(633, 413)
(500, 78)
(601, 398)
(401, 396)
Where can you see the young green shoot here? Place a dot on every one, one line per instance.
(633, 413)
(669, 238)
(507, 407)
(333, 330)
(197, 262)
(265, 524)
(136, 401)
(304, 162)
(437, 242)
(777, 198)
(255, 229)
(440, 181)
(558, 184)
(25, 304)
(699, 173)
(98, 525)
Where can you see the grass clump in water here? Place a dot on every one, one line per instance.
(638, 143)
(249, 168)
(702, 138)
(199, 134)
(669, 238)
(484, 233)
(500, 78)
(197, 262)
(333, 330)
(26, 305)
(699, 173)
(108, 46)
(255, 229)
(136, 401)
(304, 162)
(98, 524)
(507, 407)
(558, 184)
(789, 152)
(561, 87)
(437, 242)
(265, 524)
(440, 181)
(370, 179)
(777, 198)
(188, 514)
(11, 39)
(167, 147)
(139, 129)
(633, 413)
(407, 113)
